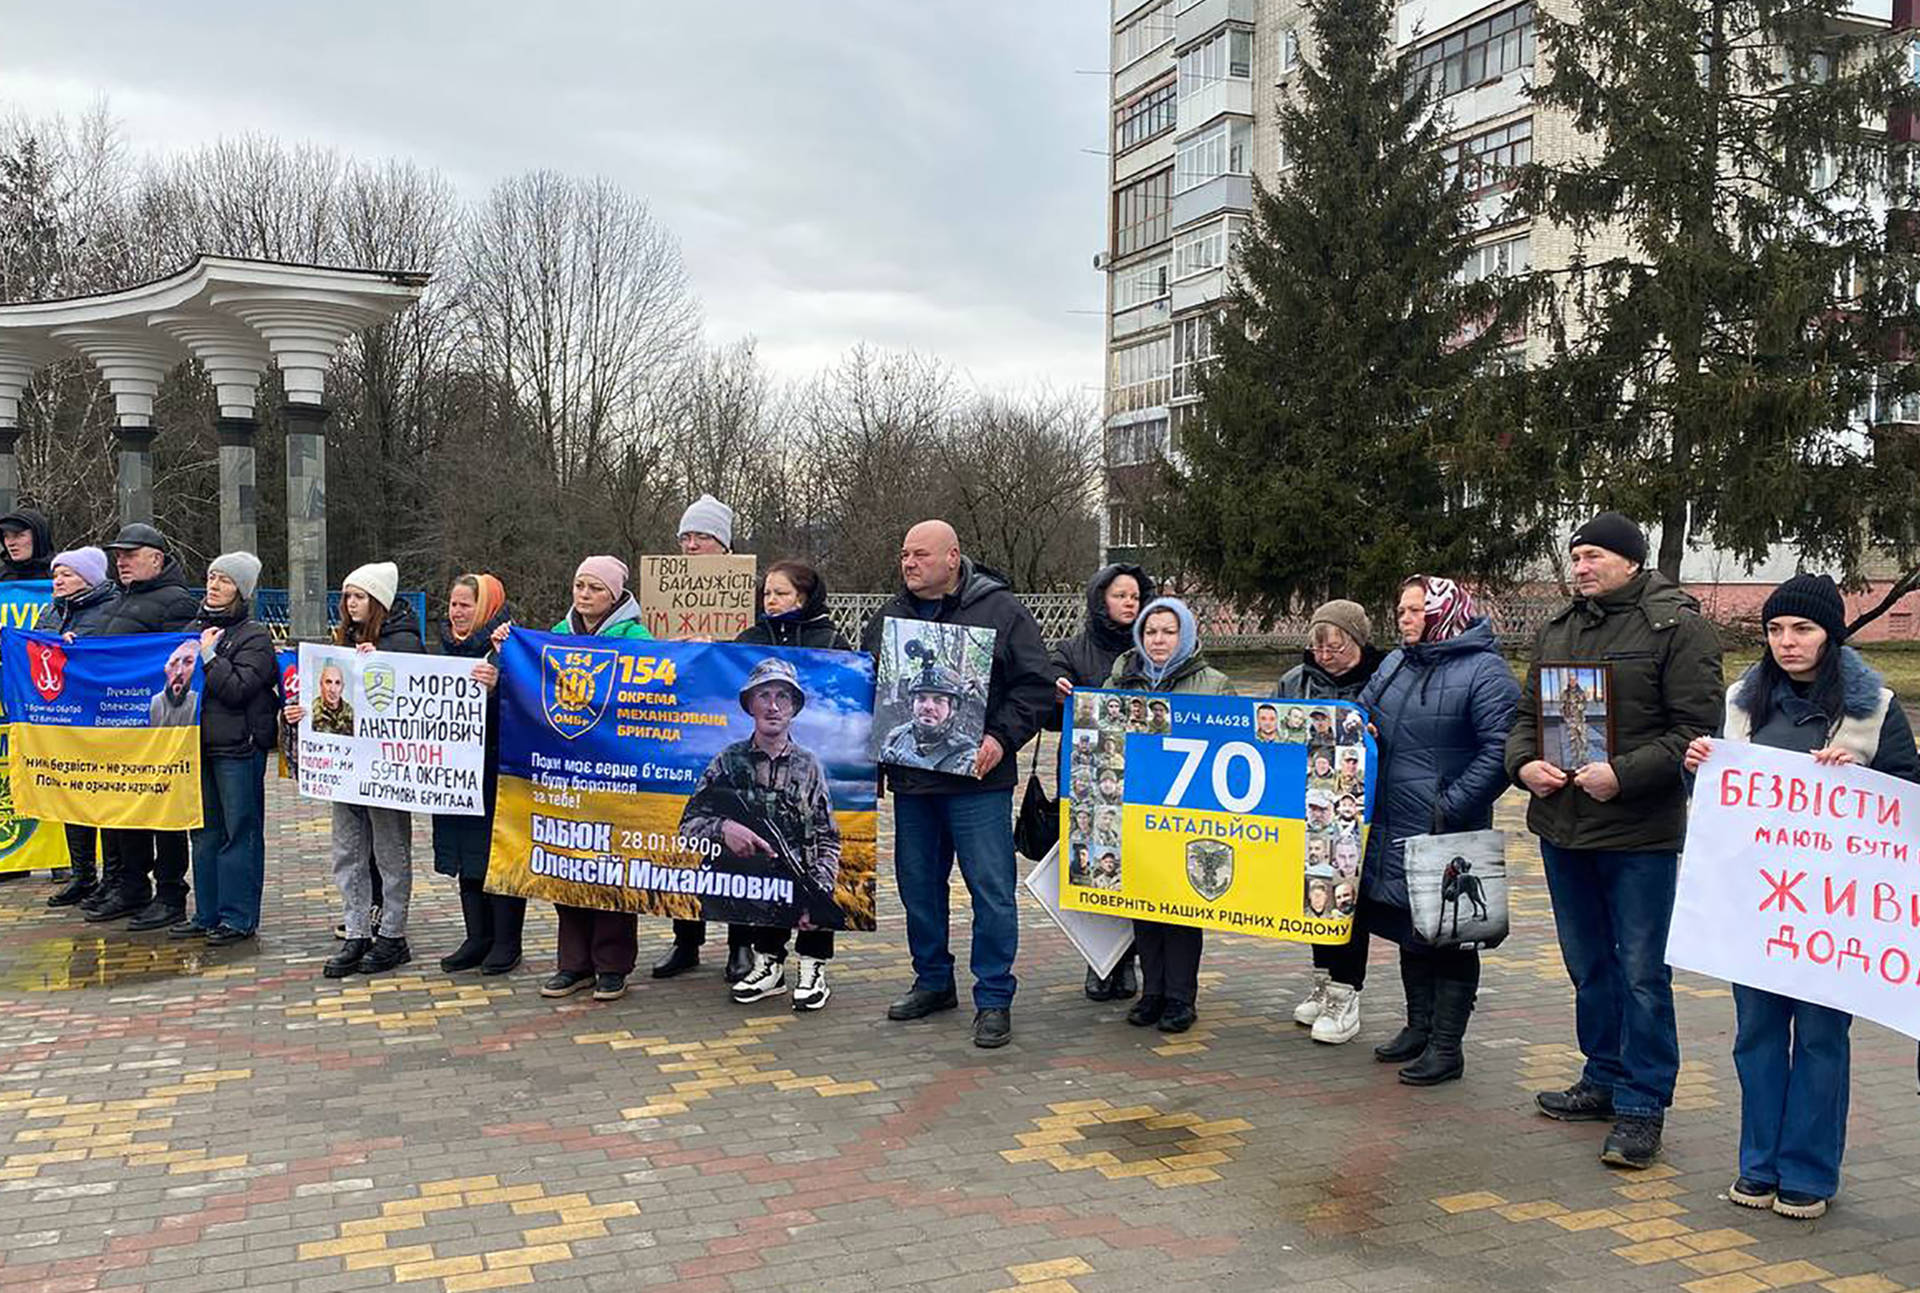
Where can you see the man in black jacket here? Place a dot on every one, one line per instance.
(938, 815)
(154, 598)
(26, 546)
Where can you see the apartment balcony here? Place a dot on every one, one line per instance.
(1150, 156)
(1200, 289)
(1199, 17)
(1223, 193)
(1131, 322)
(1145, 69)
(1229, 95)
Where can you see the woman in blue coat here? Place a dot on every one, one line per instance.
(1441, 705)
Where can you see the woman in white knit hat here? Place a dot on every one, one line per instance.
(372, 617)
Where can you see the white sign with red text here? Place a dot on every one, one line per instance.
(1804, 880)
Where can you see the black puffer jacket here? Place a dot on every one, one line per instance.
(461, 843)
(84, 614)
(400, 630)
(811, 626)
(164, 604)
(1020, 691)
(1086, 658)
(1308, 681)
(241, 700)
(40, 564)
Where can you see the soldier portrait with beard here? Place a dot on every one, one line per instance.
(930, 739)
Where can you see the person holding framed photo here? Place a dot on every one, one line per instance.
(1609, 803)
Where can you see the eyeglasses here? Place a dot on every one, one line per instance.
(1328, 648)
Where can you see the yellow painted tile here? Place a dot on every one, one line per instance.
(1080, 1162)
(1180, 1162)
(1786, 1274)
(1650, 1209)
(1180, 1048)
(659, 1109)
(566, 1233)
(509, 1278)
(209, 1164)
(1535, 1211)
(461, 1184)
(1192, 1176)
(1043, 1286)
(1131, 1113)
(1861, 1284)
(1592, 1219)
(382, 1225)
(528, 1256)
(1472, 1202)
(438, 1268)
(600, 1211)
(341, 1247)
(1124, 1170)
(1082, 1119)
(847, 1088)
(391, 1257)
(503, 1194)
(1658, 1172)
(1720, 1262)
(1656, 1228)
(1648, 1190)
(1032, 1154)
(430, 1203)
(1654, 1250)
(1734, 1282)
(1169, 1120)
(1054, 1136)
(1220, 1127)
(1201, 1144)
(1071, 1106)
(1708, 1241)
(1062, 1268)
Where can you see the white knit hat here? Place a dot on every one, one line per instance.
(708, 515)
(243, 568)
(379, 580)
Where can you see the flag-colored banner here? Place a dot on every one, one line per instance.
(1242, 815)
(105, 731)
(392, 730)
(695, 780)
(288, 658)
(24, 844)
(1799, 878)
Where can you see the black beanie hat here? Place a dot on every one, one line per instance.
(1615, 533)
(1811, 597)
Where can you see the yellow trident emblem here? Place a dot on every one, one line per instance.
(576, 687)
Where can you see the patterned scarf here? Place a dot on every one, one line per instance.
(1449, 609)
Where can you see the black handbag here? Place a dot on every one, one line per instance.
(1036, 830)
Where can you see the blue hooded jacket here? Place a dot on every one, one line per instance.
(1442, 711)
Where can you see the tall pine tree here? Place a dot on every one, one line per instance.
(1351, 432)
(1735, 297)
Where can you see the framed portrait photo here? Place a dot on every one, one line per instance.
(1575, 707)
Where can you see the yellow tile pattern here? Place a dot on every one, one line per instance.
(60, 1129)
(393, 1004)
(1059, 1139)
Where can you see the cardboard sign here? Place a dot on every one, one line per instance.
(697, 599)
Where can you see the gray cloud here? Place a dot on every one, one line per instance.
(902, 172)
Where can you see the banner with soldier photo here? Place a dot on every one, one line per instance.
(710, 781)
(1242, 815)
(392, 730)
(930, 710)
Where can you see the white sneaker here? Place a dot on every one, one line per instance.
(810, 990)
(1315, 1005)
(767, 978)
(1340, 1021)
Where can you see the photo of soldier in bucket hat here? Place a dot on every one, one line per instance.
(764, 803)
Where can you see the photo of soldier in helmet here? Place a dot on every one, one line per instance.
(931, 738)
(764, 803)
(930, 703)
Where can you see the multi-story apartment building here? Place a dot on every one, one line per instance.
(1194, 92)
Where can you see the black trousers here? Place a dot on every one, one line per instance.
(771, 940)
(82, 849)
(1169, 959)
(153, 864)
(1346, 963)
(693, 933)
(597, 942)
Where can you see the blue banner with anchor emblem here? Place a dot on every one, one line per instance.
(689, 779)
(25, 844)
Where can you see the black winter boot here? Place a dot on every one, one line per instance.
(478, 918)
(1442, 1060)
(79, 886)
(509, 916)
(387, 953)
(1411, 1040)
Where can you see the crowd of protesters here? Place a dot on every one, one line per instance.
(1454, 731)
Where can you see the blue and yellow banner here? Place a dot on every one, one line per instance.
(24, 844)
(686, 779)
(105, 731)
(1233, 814)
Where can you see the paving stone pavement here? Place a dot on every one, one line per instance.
(178, 1119)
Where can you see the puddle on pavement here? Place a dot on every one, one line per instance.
(70, 963)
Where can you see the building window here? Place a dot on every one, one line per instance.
(1124, 529)
(1486, 51)
(1226, 56)
(1192, 348)
(1289, 50)
(1151, 114)
(1206, 248)
(1220, 149)
(1139, 284)
(1137, 442)
(1139, 377)
(1144, 33)
(1500, 259)
(1486, 161)
(1141, 212)
(1818, 69)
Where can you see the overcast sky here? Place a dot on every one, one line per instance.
(904, 172)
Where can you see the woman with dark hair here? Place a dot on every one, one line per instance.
(1115, 595)
(476, 606)
(372, 847)
(793, 613)
(1441, 704)
(1812, 694)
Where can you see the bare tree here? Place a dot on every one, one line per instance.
(1021, 473)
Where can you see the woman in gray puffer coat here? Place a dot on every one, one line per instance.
(1441, 706)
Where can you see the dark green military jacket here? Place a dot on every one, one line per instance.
(1665, 661)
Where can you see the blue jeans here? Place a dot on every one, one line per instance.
(230, 848)
(928, 831)
(1793, 1058)
(1612, 910)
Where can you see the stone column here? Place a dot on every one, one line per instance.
(239, 529)
(9, 468)
(133, 443)
(306, 520)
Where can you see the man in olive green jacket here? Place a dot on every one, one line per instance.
(1610, 831)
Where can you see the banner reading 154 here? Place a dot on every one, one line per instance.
(1243, 815)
